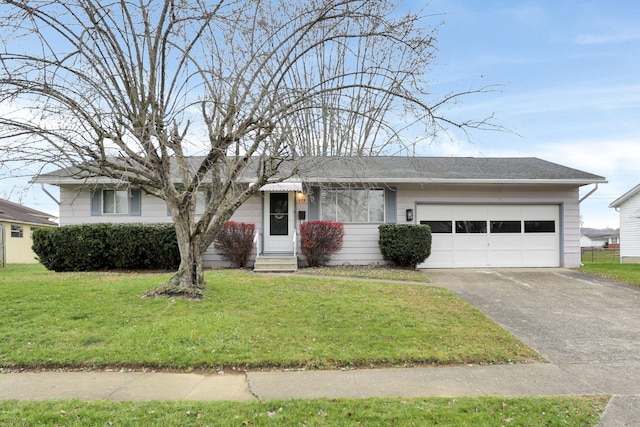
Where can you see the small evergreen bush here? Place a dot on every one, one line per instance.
(93, 247)
(405, 245)
(235, 243)
(319, 240)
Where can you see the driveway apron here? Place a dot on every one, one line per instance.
(567, 316)
(587, 326)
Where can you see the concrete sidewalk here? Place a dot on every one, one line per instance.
(501, 380)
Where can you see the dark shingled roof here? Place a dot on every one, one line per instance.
(452, 169)
(13, 212)
(405, 170)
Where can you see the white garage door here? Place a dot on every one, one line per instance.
(492, 235)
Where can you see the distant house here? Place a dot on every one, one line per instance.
(483, 212)
(599, 238)
(17, 222)
(629, 207)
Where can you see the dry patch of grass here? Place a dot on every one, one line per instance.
(367, 272)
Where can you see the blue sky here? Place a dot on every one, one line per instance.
(569, 88)
(569, 85)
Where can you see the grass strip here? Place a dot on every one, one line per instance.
(478, 412)
(366, 272)
(626, 273)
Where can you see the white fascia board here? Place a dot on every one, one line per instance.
(578, 182)
(626, 196)
(74, 181)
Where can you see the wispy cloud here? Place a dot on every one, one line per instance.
(608, 38)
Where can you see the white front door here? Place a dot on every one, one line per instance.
(278, 222)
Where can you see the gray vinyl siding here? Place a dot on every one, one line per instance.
(76, 208)
(361, 240)
(360, 245)
(630, 229)
(250, 212)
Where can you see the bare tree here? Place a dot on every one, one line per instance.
(137, 90)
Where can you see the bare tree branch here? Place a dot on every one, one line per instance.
(144, 92)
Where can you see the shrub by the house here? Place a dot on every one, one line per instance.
(107, 246)
(319, 240)
(405, 245)
(235, 243)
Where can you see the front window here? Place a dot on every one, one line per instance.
(115, 201)
(361, 205)
(17, 231)
(202, 199)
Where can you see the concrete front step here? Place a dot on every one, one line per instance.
(269, 263)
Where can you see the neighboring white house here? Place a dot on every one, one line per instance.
(629, 207)
(483, 212)
(17, 223)
(599, 238)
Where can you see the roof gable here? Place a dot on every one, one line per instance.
(13, 212)
(626, 196)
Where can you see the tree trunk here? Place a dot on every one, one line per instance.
(189, 279)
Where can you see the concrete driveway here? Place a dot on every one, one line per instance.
(566, 316)
(588, 327)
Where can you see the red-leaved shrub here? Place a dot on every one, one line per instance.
(235, 243)
(319, 240)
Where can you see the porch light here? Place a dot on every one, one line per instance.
(409, 215)
(301, 197)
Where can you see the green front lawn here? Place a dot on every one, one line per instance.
(627, 273)
(246, 320)
(477, 412)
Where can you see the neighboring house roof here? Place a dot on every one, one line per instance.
(13, 212)
(626, 196)
(599, 234)
(385, 169)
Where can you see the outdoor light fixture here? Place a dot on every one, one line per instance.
(409, 215)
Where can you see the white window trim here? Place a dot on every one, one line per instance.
(368, 210)
(19, 230)
(115, 205)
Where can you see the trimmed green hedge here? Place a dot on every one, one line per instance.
(93, 247)
(405, 245)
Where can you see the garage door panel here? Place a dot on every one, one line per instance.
(504, 212)
(505, 241)
(441, 259)
(540, 258)
(505, 258)
(467, 242)
(508, 240)
(464, 212)
(540, 212)
(541, 242)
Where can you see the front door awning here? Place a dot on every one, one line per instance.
(283, 186)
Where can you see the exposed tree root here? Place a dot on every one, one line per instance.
(169, 290)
